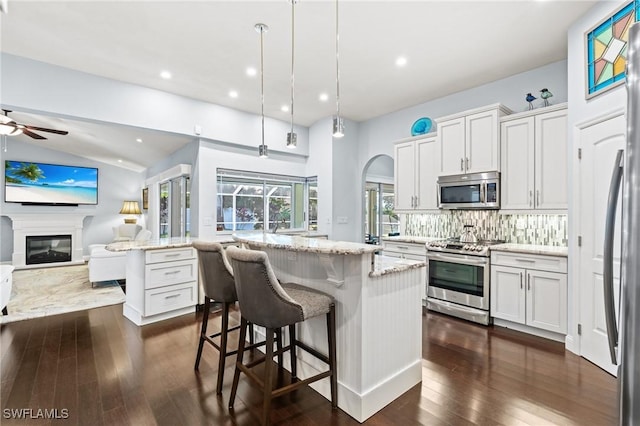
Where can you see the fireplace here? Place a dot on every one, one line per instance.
(48, 249)
(52, 226)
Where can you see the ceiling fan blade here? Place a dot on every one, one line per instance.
(33, 135)
(44, 129)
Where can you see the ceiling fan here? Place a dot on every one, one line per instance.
(11, 128)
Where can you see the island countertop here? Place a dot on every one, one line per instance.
(157, 244)
(304, 244)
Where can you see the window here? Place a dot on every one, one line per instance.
(252, 201)
(175, 207)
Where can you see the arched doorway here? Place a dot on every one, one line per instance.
(379, 218)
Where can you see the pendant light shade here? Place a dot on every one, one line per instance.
(338, 123)
(263, 151)
(292, 138)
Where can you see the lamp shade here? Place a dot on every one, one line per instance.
(130, 207)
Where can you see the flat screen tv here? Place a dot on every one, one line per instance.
(50, 184)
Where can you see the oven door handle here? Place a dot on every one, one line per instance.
(462, 259)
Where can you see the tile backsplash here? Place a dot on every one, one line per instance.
(543, 229)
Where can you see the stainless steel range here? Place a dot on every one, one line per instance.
(458, 276)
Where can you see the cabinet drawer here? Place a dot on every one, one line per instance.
(156, 256)
(167, 273)
(397, 249)
(530, 261)
(169, 298)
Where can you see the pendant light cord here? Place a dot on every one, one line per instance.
(262, 79)
(337, 65)
(293, 28)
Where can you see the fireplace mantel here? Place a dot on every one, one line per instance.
(31, 224)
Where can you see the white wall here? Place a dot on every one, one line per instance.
(580, 111)
(39, 87)
(114, 186)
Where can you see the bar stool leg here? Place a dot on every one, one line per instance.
(236, 374)
(223, 346)
(251, 338)
(203, 330)
(279, 346)
(268, 377)
(331, 331)
(294, 360)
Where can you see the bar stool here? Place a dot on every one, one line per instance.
(219, 285)
(265, 302)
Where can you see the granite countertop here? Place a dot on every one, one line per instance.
(303, 244)
(411, 239)
(532, 249)
(162, 243)
(383, 265)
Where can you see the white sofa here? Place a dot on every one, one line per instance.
(105, 265)
(6, 282)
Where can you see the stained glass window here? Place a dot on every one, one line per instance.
(607, 49)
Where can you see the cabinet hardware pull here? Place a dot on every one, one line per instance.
(462, 164)
(417, 201)
(525, 260)
(521, 279)
(172, 255)
(173, 296)
(538, 198)
(529, 282)
(468, 163)
(171, 272)
(402, 248)
(530, 198)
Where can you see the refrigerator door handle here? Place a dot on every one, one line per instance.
(609, 233)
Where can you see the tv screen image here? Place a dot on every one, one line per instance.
(40, 183)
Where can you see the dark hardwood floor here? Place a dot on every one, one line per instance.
(104, 370)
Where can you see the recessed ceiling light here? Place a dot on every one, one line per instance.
(165, 74)
(285, 108)
(119, 160)
(233, 94)
(139, 140)
(251, 71)
(401, 61)
(324, 97)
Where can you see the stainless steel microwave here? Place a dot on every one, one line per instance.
(469, 191)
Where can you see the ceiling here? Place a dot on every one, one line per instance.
(449, 46)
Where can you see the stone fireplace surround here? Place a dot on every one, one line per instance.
(33, 224)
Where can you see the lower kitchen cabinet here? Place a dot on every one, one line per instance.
(530, 290)
(413, 251)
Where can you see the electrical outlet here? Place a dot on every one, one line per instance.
(343, 219)
(208, 221)
(197, 129)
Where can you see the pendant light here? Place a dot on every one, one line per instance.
(338, 123)
(263, 151)
(292, 138)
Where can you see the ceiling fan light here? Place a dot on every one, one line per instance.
(338, 127)
(9, 129)
(16, 131)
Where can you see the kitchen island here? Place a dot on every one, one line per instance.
(162, 279)
(378, 315)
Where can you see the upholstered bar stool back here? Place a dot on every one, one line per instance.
(265, 302)
(219, 285)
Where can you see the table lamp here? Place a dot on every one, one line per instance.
(130, 207)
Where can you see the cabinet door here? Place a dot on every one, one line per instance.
(517, 170)
(451, 137)
(508, 294)
(547, 300)
(404, 168)
(427, 170)
(481, 136)
(551, 160)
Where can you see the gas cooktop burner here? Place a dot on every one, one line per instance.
(453, 245)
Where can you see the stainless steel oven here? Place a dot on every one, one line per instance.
(458, 277)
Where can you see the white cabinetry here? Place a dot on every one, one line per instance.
(530, 290)
(161, 284)
(534, 160)
(416, 171)
(413, 251)
(469, 141)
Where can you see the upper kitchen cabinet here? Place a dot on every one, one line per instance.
(416, 169)
(470, 141)
(534, 159)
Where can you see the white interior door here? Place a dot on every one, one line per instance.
(600, 143)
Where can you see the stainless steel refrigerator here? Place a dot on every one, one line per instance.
(625, 345)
